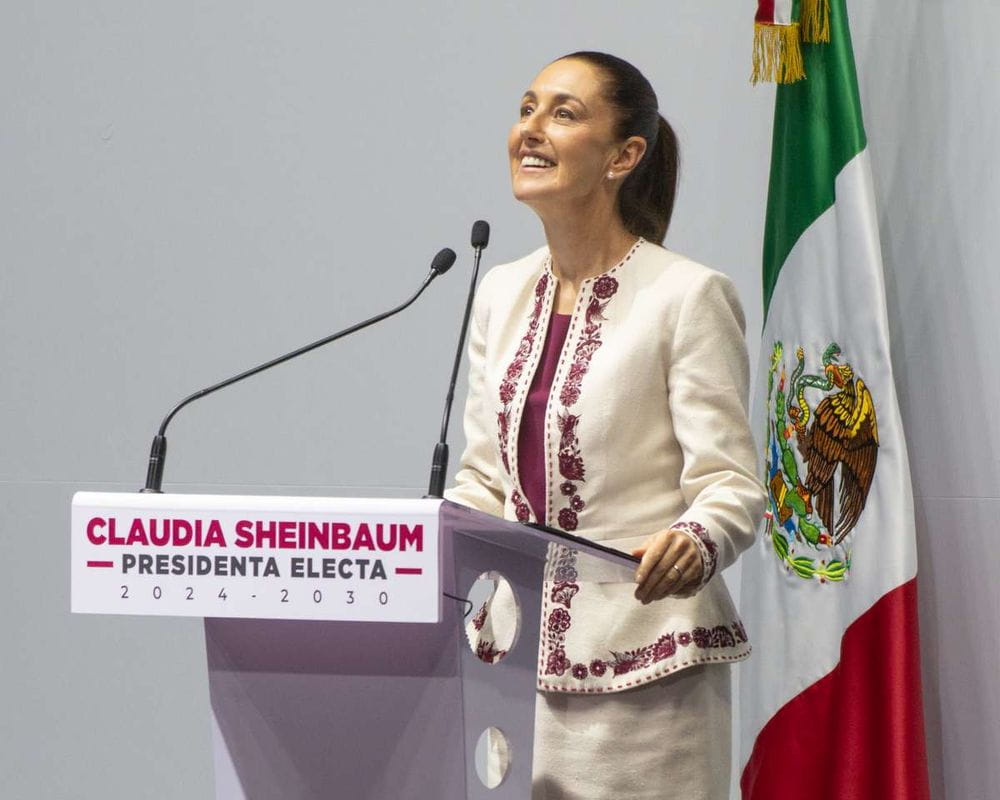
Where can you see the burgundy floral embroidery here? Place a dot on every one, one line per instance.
(503, 423)
(739, 632)
(666, 647)
(564, 592)
(570, 392)
(564, 565)
(605, 287)
(568, 519)
(571, 466)
(711, 549)
(559, 620)
(660, 650)
(508, 386)
(570, 460)
(557, 663)
(626, 662)
(521, 509)
(485, 651)
(480, 619)
(702, 637)
(722, 637)
(579, 671)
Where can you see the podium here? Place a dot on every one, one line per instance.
(356, 706)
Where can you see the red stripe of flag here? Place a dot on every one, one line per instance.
(858, 732)
(409, 571)
(100, 563)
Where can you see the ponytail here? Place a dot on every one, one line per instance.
(646, 198)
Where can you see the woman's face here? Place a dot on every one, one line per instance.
(563, 145)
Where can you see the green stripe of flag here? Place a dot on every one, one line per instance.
(817, 130)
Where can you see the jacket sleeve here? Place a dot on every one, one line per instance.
(477, 483)
(707, 384)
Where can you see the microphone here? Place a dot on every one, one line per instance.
(439, 465)
(480, 235)
(158, 451)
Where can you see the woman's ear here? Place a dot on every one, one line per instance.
(629, 156)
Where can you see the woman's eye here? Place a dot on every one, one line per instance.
(526, 111)
(564, 113)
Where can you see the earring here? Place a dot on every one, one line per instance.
(611, 174)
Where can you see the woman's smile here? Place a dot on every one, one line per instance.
(536, 163)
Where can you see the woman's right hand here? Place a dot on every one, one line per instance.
(671, 565)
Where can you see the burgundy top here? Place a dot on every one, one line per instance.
(531, 436)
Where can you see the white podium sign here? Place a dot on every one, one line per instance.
(365, 560)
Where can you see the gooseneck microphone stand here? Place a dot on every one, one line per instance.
(158, 451)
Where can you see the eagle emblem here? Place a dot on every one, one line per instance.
(820, 462)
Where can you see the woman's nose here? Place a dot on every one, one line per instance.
(532, 129)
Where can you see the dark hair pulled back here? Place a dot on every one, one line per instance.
(646, 197)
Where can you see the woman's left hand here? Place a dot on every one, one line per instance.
(671, 565)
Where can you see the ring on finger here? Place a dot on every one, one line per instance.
(679, 573)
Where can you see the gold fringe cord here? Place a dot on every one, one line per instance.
(814, 17)
(777, 57)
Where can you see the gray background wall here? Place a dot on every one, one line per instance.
(188, 188)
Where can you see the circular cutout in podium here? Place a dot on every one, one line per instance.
(495, 624)
(492, 757)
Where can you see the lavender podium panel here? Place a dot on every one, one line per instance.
(379, 710)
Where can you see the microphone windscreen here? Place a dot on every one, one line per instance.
(443, 260)
(480, 233)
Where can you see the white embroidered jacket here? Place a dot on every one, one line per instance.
(646, 429)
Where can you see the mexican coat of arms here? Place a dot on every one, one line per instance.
(811, 451)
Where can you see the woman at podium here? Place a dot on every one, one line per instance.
(607, 398)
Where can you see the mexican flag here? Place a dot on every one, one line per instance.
(830, 703)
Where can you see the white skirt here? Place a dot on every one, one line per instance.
(667, 739)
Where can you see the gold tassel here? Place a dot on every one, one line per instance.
(777, 57)
(814, 17)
